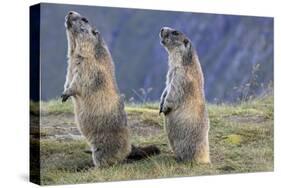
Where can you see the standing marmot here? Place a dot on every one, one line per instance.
(183, 100)
(98, 106)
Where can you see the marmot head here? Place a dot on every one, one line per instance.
(176, 41)
(172, 39)
(81, 34)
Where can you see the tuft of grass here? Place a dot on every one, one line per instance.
(240, 137)
(56, 106)
(149, 116)
(146, 105)
(234, 139)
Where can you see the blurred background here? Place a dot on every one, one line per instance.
(236, 52)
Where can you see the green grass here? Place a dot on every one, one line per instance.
(241, 140)
(56, 106)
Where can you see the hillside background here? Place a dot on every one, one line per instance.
(236, 52)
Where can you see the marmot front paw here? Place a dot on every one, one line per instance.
(64, 97)
(165, 109)
(161, 107)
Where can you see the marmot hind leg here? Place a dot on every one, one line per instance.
(102, 158)
(137, 153)
(203, 155)
(192, 153)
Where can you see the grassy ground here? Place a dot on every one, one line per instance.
(241, 140)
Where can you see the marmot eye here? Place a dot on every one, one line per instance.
(175, 33)
(84, 20)
(95, 32)
(185, 42)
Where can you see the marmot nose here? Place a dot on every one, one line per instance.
(70, 13)
(73, 13)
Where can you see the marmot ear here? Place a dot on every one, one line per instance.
(187, 57)
(185, 42)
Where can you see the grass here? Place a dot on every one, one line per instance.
(241, 140)
(56, 106)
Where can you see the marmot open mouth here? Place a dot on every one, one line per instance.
(68, 23)
(69, 18)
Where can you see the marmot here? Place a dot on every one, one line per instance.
(183, 100)
(98, 106)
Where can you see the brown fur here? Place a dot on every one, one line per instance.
(98, 106)
(183, 100)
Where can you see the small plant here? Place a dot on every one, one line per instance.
(132, 100)
(142, 94)
(248, 90)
